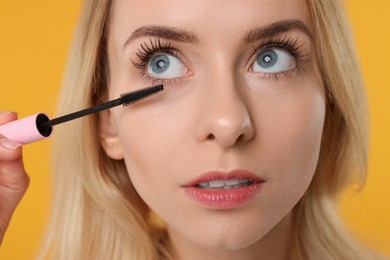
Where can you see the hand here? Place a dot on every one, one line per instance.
(13, 178)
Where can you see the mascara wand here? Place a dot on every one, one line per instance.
(125, 99)
(39, 126)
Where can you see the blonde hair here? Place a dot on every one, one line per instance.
(97, 213)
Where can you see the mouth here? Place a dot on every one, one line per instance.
(221, 190)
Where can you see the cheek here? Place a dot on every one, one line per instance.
(293, 138)
(300, 130)
(152, 143)
(157, 137)
(143, 141)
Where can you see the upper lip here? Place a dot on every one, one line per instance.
(221, 175)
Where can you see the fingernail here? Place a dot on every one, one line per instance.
(9, 144)
(6, 112)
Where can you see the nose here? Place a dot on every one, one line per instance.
(224, 118)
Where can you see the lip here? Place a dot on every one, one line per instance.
(220, 198)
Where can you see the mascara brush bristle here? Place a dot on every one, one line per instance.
(134, 96)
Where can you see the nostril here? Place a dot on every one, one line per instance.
(210, 137)
(240, 138)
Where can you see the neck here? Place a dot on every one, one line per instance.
(276, 245)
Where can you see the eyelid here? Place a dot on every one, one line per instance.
(156, 46)
(286, 43)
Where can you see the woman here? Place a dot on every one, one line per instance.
(260, 126)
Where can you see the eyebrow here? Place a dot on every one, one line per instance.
(164, 32)
(171, 33)
(277, 28)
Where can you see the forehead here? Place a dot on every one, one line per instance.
(216, 19)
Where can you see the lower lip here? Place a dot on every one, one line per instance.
(223, 199)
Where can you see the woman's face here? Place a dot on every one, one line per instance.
(224, 153)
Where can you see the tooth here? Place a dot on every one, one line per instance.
(237, 186)
(232, 182)
(216, 183)
(227, 187)
(243, 180)
(203, 184)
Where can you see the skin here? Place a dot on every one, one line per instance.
(218, 115)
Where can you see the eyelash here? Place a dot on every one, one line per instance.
(148, 49)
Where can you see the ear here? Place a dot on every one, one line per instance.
(108, 136)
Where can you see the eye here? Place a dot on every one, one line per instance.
(165, 66)
(273, 61)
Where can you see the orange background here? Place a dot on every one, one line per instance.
(35, 37)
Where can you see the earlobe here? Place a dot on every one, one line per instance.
(108, 136)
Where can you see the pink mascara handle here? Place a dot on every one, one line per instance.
(27, 130)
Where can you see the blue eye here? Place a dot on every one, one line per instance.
(273, 61)
(165, 66)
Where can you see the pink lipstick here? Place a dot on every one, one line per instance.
(223, 190)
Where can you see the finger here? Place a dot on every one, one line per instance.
(6, 117)
(9, 150)
(13, 177)
(14, 182)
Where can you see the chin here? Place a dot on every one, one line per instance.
(231, 235)
(241, 242)
(236, 232)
